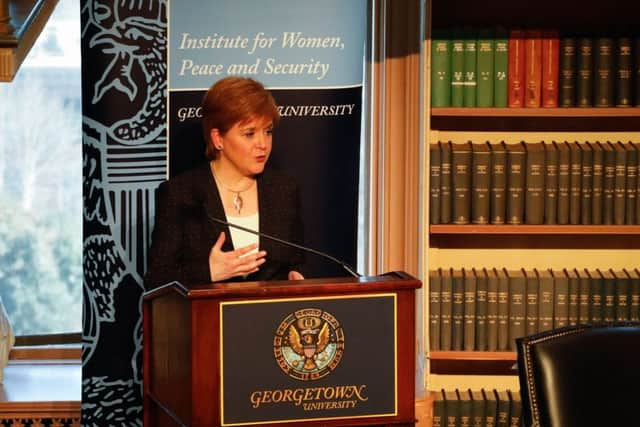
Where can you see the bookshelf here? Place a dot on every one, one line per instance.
(516, 247)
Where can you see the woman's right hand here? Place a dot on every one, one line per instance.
(224, 265)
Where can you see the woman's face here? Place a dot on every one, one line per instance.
(246, 146)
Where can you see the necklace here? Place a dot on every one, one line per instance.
(238, 202)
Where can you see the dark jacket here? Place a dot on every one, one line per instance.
(184, 234)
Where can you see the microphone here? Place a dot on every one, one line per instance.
(343, 264)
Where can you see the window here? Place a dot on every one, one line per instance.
(41, 182)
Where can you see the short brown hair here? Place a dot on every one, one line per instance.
(232, 100)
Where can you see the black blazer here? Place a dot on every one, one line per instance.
(183, 234)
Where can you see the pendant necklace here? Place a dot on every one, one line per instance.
(238, 202)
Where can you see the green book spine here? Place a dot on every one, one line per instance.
(574, 286)
(560, 300)
(546, 300)
(584, 75)
(434, 183)
(480, 183)
(470, 308)
(608, 296)
(470, 72)
(446, 310)
(550, 184)
(461, 178)
(624, 72)
(620, 184)
(598, 178)
(608, 182)
(575, 192)
(500, 67)
(504, 405)
(445, 182)
(492, 310)
(515, 410)
(517, 307)
(623, 297)
(533, 303)
(498, 183)
(457, 69)
(452, 408)
(440, 69)
(632, 184)
(439, 410)
(595, 289)
(586, 188)
(534, 198)
(478, 409)
(634, 295)
(564, 182)
(435, 289)
(484, 68)
(504, 301)
(491, 408)
(466, 408)
(567, 83)
(584, 297)
(481, 310)
(604, 95)
(516, 164)
(457, 311)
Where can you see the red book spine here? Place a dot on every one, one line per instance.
(533, 73)
(516, 68)
(550, 68)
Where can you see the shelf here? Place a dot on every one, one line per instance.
(609, 230)
(473, 362)
(536, 112)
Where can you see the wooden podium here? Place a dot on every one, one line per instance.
(319, 352)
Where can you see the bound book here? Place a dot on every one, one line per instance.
(636, 70)
(480, 183)
(550, 68)
(461, 178)
(608, 296)
(470, 307)
(516, 69)
(586, 187)
(515, 409)
(440, 68)
(584, 76)
(622, 296)
(636, 145)
(516, 164)
(517, 306)
(620, 184)
(560, 299)
(504, 303)
(492, 310)
(484, 66)
(573, 280)
(584, 297)
(550, 183)
(604, 72)
(504, 406)
(466, 407)
(532, 308)
(439, 410)
(624, 72)
(445, 182)
(434, 183)
(452, 408)
(500, 68)
(457, 310)
(498, 183)
(533, 71)
(446, 309)
(567, 76)
(481, 327)
(564, 182)
(457, 68)
(491, 408)
(598, 179)
(546, 300)
(632, 184)
(575, 193)
(435, 289)
(470, 73)
(608, 182)
(595, 290)
(634, 294)
(478, 409)
(535, 177)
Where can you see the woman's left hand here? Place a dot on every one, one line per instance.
(294, 275)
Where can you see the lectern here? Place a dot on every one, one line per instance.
(318, 352)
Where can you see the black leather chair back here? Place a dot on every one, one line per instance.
(581, 376)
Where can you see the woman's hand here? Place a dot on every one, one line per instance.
(294, 275)
(224, 265)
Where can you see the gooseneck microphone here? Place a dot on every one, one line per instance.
(343, 264)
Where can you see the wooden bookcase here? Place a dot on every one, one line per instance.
(522, 246)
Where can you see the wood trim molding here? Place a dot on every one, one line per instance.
(396, 135)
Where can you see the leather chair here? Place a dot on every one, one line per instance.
(581, 376)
